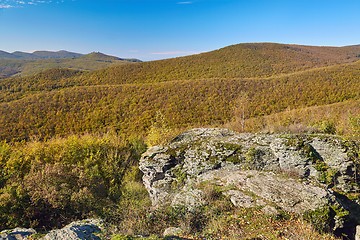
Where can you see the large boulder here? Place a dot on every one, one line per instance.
(79, 230)
(16, 233)
(294, 173)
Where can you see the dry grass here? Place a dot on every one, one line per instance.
(342, 117)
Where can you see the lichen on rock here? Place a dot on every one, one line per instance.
(294, 173)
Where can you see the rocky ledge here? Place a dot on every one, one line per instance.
(312, 175)
(87, 229)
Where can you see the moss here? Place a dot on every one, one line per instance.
(232, 146)
(127, 237)
(340, 211)
(320, 219)
(235, 159)
(235, 156)
(36, 236)
(252, 156)
(320, 166)
(180, 176)
(328, 176)
(295, 141)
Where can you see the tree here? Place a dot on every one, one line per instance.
(159, 130)
(241, 108)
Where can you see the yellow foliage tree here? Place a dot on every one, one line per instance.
(159, 130)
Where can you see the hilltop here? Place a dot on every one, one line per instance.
(256, 60)
(22, 63)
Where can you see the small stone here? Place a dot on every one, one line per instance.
(269, 210)
(239, 199)
(172, 232)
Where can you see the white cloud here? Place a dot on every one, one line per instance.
(174, 53)
(22, 3)
(188, 2)
(3, 6)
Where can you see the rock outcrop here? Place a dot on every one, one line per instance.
(79, 230)
(16, 233)
(85, 229)
(293, 173)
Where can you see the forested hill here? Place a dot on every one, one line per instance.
(237, 61)
(22, 63)
(262, 79)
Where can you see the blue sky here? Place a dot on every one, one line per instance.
(157, 29)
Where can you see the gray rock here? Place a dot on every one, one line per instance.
(198, 151)
(239, 199)
(85, 229)
(172, 231)
(16, 234)
(290, 172)
(270, 210)
(189, 197)
(357, 234)
(287, 193)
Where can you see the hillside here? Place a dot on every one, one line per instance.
(237, 61)
(130, 108)
(71, 140)
(20, 63)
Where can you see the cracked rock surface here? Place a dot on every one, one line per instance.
(294, 173)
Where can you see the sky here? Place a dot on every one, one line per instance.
(158, 29)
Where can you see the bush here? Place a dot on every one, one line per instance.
(327, 127)
(49, 184)
(320, 219)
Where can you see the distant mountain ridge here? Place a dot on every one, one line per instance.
(23, 63)
(62, 54)
(39, 55)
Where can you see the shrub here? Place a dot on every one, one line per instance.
(320, 219)
(49, 184)
(327, 127)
